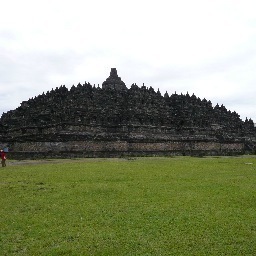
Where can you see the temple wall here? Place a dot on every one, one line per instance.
(123, 146)
(120, 148)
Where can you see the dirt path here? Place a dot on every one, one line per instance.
(58, 161)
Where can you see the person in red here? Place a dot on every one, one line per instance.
(3, 157)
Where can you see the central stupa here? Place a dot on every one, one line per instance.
(114, 81)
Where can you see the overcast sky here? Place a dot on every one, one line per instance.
(205, 47)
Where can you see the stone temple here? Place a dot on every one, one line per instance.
(115, 121)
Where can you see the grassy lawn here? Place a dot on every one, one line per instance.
(143, 206)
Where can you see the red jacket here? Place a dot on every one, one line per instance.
(3, 155)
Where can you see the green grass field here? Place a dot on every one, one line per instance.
(143, 206)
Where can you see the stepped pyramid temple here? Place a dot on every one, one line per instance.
(114, 121)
